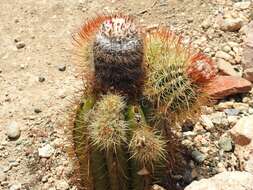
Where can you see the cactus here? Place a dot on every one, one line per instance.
(175, 76)
(118, 145)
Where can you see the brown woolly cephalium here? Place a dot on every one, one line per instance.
(111, 52)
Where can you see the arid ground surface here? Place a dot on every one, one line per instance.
(36, 88)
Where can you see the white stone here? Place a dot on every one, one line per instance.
(206, 122)
(242, 5)
(13, 130)
(242, 132)
(224, 181)
(46, 151)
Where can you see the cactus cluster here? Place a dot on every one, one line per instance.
(117, 144)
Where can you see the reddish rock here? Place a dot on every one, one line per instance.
(223, 86)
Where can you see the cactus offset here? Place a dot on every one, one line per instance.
(173, 75)
(108, 128)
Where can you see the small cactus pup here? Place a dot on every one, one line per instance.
(176, 76)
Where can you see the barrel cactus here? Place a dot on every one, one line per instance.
(116, 142)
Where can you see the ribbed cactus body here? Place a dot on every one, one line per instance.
(174, 74)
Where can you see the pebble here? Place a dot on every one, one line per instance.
(243, 107)
(15, 186)
(41, 79)
(13, 130)
(206, 122)
(226, 68)
(62, 67)
(62, 185)
(157, 187)
(37, 110)
(219, 118)
(232, 112)
(226, 48)
(46, 151)
(242, 5)
(3, 176)
(242, 132)
(223, 55)
(20, 45)
(198, 156)
(225, 144)
(231, 24)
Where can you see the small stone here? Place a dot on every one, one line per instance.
(46, 151)
(62, 185)
(223, 86)
(219, 118)
(20, 45)
(231, 24)
(198, 156)
(223, 55)
(62, 67)
(3, 176)
(157, 187)
(235, 180)
(41, 79)
(241, 106)
(226, 68)
(225, 144)
(187, 126)
(242, 5)
(242, 132)
(226, 48)
(37, 110)
(15, 186)
(206, 122)
(13, 130)
(44, 179)
(232, 112)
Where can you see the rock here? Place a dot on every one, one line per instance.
(62, 185)
(46, 151)
(157, 187)
(41, 79)
(231, 24)
(224, 181)
(15, 186)
(37, 110)
(247, 57)
(223, 86)
(242, 5)
(242, 107)
(219, 118)
(231, 112)
(3, 176)
(249, 164)
(226, 68)
(223, 55)
(198, 156)
(242, 132)
(225, 144)
(226, 48)
(62, 67)
(206, 122)
(13, 130)
(20, 45)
